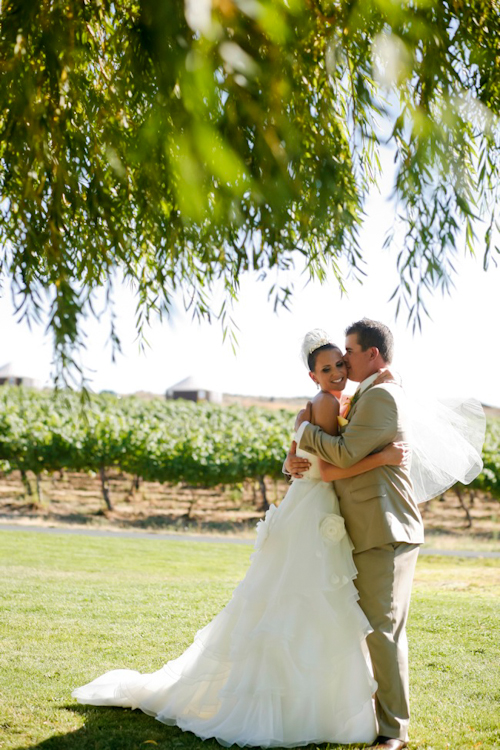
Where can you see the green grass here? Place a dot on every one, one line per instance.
(73, 607)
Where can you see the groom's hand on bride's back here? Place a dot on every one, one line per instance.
(295, 465)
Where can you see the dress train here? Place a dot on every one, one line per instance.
(285, 663)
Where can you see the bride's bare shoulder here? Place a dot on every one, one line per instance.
(325, 410)
(325, 397)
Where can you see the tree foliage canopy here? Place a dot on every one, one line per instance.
(185, 144)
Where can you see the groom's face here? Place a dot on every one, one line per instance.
(359, 363)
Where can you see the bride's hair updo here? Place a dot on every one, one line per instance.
(315, 341)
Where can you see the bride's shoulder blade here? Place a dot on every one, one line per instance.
(325, 410)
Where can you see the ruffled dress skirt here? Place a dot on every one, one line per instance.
(285, 663)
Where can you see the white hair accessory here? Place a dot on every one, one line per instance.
(314, 340)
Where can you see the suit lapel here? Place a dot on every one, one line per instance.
(353, 408)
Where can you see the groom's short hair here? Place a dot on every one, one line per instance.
(373, 333)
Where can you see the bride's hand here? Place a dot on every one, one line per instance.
(396, 454)
(296, 465)
(385, 375)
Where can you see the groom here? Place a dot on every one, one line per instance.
(381, 516)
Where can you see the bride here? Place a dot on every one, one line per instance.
(285, 663)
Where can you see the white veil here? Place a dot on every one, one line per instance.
(446, 439)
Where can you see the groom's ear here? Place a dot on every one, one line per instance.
(374, 352)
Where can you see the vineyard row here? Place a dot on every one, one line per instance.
(156, 440)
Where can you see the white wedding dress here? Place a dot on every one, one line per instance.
(285, 663)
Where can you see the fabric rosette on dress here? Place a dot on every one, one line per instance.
(332, 528)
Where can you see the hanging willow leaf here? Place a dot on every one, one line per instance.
(180, 148)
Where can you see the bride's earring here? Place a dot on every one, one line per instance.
(317, 386)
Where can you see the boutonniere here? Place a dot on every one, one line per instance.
(349, 402)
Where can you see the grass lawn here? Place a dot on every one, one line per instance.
(73, 607)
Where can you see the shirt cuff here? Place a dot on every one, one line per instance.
(300, 432)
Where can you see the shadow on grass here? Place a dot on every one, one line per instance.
(123, 729)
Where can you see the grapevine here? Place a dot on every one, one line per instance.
(203, 445)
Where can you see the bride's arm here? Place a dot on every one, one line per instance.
(322, 411)
(395, 454)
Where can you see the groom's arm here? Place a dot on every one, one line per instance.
(373, 426)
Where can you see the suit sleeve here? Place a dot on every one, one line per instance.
(372, 427)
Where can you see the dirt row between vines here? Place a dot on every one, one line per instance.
(75, 499)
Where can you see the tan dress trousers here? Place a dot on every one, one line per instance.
(385, 576)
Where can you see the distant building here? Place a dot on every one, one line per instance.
(193, 390)
(10, 375)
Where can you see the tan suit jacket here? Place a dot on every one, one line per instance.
(378, 506)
